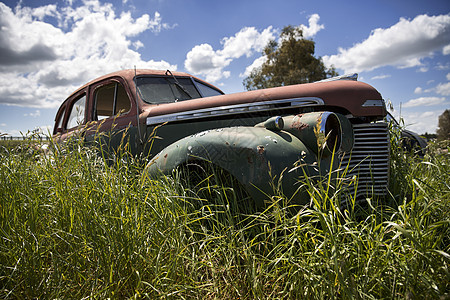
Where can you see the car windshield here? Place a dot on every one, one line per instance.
(157, 90)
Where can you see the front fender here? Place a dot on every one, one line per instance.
(255, 156)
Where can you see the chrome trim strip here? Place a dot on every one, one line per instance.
(234, 109)
(371, 103)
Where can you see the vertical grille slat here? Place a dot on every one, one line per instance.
(369, 159)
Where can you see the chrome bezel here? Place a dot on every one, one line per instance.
(234, 109)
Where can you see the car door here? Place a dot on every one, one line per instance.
(72, 115)
(112, 113)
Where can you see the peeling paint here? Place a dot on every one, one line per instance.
(260, 149)
(200, 134)
(297, 124)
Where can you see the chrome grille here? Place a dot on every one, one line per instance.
(369, 159)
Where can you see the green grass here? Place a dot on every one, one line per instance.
(73, 226)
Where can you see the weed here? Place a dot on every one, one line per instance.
(76, 224)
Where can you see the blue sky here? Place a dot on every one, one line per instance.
(49, 48)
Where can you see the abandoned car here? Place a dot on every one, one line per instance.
(257, 136)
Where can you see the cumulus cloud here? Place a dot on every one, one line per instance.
(446, 50)
(313, 28)
(421, 122)
(50, 50)
(403, 45)
(308, 32)
(443, 89)
(257, 63)
(204, 60)
(424, 101)
(246, 42)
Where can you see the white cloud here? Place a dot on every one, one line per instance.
(403, 45)
(246, 42)
(313, 28)
(441, 66)
(443, 89)
(40, 63)
(383, 76)
(446, 50)
(35, 114)
(424, 101)
(138, 44)
(448, 76)
(204, 60)
(257, 63)
(44, 11)
(422, 122)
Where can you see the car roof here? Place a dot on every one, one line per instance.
(128, 75)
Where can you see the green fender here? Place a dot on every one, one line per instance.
(255, 156)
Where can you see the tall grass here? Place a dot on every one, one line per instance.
(73, 225)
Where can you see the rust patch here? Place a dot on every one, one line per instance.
(261, 149)
(299, 125)
(165, 156)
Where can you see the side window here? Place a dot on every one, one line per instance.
(76, 116)
(59, 121)
(110, 100)
(206, 90)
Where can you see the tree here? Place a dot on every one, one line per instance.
(290, 62)
(443, 131)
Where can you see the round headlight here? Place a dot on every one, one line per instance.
(330, 131)
(274, 123)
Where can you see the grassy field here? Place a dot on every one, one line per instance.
(73, 226)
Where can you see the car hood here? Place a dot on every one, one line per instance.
(358, 98)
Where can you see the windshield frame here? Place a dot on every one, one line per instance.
(194, 91)
(171, 86)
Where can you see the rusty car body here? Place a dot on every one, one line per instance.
(285, 132)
